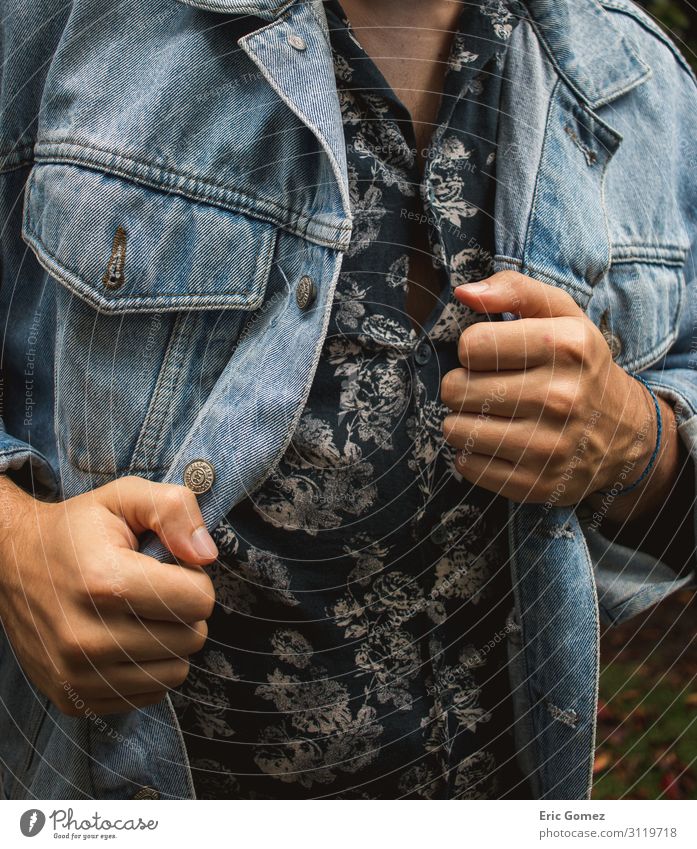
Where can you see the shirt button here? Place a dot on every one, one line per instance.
(199, 476)
(305, 293)
(146, 793)
(296, 42)
(422, 353)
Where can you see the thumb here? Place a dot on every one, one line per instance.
(509, 291)
(171, 511)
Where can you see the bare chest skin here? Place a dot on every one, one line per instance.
(413, 59)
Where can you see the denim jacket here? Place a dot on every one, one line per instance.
(171, 172)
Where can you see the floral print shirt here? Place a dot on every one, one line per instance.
(358, 645)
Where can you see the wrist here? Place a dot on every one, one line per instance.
(637, 441)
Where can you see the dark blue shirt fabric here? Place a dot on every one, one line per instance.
(358, 645)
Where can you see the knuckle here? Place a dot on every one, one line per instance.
(566, 301)
(149, 699)
(510, 276)
(566, 445)
(462, 347)
(209, 605)
(199, 636)
(180, 671)
(203, 605)
(450, 427)
(123, 485)
(574, 341)
(469, 342)
(174, 502)
(599, 347)
(97, 588)
(553, 467)
(536, 452)
(511, 280)
(448, 387)
(169, 500)
(557, 465)
(445, 388)
(80, 646)
(560, 400)
(178, 496)
(569, 301)
(72, 647)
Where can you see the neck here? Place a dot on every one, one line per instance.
(440, 14)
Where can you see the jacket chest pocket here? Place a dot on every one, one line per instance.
(154, 291)
(638, 304)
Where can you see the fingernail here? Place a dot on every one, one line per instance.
(203, 543)
(480, 286)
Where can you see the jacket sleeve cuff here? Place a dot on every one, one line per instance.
(679, 388)
(636, 567)
(27, 467)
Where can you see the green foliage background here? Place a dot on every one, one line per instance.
(647, 716)
(679, 19)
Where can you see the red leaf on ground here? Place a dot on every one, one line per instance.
(602, 761)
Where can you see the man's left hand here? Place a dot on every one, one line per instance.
(541, 412)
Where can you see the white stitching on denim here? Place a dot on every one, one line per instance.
(568, 717)
(558, 532)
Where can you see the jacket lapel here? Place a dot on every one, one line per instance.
(565, 61)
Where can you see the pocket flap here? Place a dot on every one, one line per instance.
(638, 305)
(123, 247)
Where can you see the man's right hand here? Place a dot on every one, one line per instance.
(92, 621)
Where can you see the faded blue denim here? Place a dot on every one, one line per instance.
(217, 146)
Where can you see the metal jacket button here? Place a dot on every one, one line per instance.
(305, 293)
(146, 793)
(614, 342)
(199, 476)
